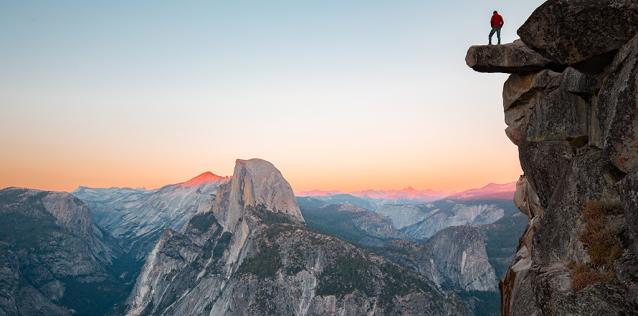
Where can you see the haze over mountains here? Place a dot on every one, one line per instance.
(212, 244)
(246, 245)
(489, 191)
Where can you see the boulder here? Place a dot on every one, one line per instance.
(582, 84)
(520, 94)
(509, 58)
(583, 33)
(515, 134)
(616, 106)
(547, 106)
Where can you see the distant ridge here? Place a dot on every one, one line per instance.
(489, 191)
(408, 193)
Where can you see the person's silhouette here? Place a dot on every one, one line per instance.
(497, 23)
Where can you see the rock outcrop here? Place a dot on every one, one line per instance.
(509, 58)
(576, 131)
(581, 33)
(252, 255)
(255, 182)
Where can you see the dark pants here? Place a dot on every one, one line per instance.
(496, 30)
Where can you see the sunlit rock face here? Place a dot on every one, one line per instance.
(255, 182)
(575, 128)
(252, 255)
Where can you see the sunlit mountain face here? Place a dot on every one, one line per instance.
(204, 178)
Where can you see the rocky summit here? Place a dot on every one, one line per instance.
(255, 182)
(576, 128)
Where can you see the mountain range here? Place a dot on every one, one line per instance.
(246, 245)
(241, 245)
(490, 191)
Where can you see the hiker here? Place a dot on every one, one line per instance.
(497, 24)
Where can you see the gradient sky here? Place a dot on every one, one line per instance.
(337, 94)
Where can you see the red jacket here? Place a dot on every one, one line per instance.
(497, 20)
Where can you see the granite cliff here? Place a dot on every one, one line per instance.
(571, 107)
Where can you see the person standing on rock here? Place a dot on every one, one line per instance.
(497, 23)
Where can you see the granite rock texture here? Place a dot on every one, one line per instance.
(576, 132)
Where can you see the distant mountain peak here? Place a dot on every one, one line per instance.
(204, 178)
(497, 191)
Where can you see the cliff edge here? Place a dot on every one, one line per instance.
(571, 107)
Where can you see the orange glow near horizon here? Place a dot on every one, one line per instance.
(43, 168)
(389, 148)
(338, 95)
(70, 180)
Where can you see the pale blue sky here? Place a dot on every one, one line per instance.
(338, 94)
